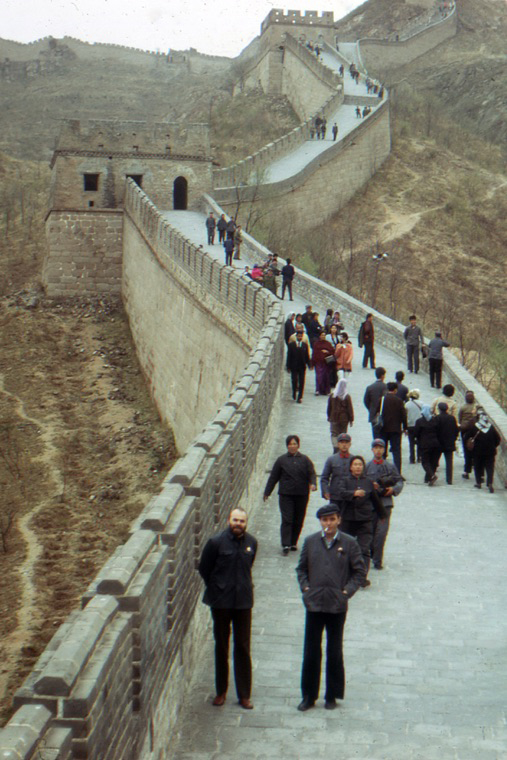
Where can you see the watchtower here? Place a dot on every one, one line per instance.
(170, 161)
(306, 26)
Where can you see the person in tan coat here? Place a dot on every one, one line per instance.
(344, 352)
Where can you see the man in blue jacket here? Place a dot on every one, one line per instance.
(226, 568)
(330, 571)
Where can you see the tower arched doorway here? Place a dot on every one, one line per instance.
(180, 194)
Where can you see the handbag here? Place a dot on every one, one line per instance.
(378, 420)
(470, 442)
(330, 360)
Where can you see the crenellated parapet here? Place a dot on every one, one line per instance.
(278, 16)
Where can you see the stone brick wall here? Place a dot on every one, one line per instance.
(306, 82)
(342, 170)
(111, 681)
(84, 253)
(378, 56)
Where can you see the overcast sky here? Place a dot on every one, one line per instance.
(212, 26)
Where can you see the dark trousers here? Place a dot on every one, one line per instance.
(312, 655)
(369, 353)
(415, 454)
(287, 284)
(429, 461)
(362, 530)
(468, 456)
(395, 440)
(228, 259)
(211, 236)
(380, 531)
(481, 464)
(436, 372)
(241, 625)
(298, 382)
(448, 464)
(221, 236)
(413, 358)
(293, 511)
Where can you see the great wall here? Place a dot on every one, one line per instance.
(111, 683)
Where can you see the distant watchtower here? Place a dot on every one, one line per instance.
(303, 25)
(172, 164)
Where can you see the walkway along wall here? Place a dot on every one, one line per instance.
(110, 683)
(325, 184)
(378, 57)
(388, 333)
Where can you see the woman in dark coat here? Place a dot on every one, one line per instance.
(322, 349)
(340, 412)
(485, 443)
(425, 434)
(358, 501)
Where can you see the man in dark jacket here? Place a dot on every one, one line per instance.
(447, 432)
(229, 250)
(298, 359)
(373, 397)
(366, 338)
(394, 418)
(329, 572)
(413, 338)
(296, 476)
(288, 273)
(289, 328)
(221, 227)
(226, 568)
(388, 483)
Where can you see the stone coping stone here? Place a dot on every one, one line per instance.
(236, 398)
(158, 510)
(57, 744)
(208, 437)
(67, 661)
(224, 416)
(186, 468)
(184, 512)
(23, 732)
(245, 383)
(116, 574)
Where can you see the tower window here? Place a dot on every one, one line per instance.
(91, 182)
(138, 178)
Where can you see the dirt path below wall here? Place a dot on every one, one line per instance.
(81, 452)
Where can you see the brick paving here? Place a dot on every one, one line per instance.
(424, 647)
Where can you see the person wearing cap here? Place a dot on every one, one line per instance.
(336, 468)
(436, 359)
(329, 572)
(358, 500)
(388, 482)
(295, 474)
(413, 408)
(447, 432)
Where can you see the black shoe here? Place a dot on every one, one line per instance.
(300, 400)
(293, 548)
(330, 704)
(378, 565)
(365, 583)
(306, 704)
(477, 485)
(285, 550)
(412, 461)
(491, 489)
(465, 475)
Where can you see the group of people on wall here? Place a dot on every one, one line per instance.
(359, 493)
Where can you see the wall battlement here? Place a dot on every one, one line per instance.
(290, 17)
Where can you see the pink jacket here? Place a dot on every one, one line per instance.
(344, 353)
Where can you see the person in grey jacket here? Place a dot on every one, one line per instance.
(373, 396)
(329, 572)
(436, 359)
(336, 468)
(388, 483)
(413, 338)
